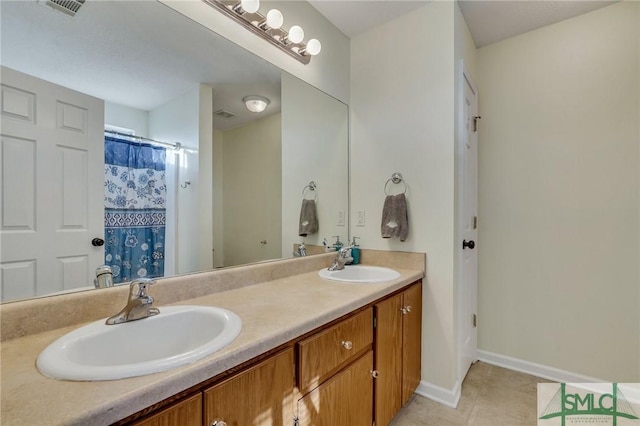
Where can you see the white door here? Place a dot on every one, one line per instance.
(52, 187)
(469, 228)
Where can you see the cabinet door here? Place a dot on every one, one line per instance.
(388, 349)
(411, 340)
(345, 399)
(184, 413)
(261, 395)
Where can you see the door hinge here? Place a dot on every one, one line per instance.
(475, 222)
(375, 323)
(475, 122)
(474, 320)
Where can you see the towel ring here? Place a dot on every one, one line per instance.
(311, 187)
(396, 178)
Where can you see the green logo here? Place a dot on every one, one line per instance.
(586, 404)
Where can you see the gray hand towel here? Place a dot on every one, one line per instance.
(395, 220)
(308, 218)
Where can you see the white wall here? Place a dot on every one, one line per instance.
(329, 71)
(402, 120)
(180, 120)
(252, 192)
(559, 195)
(314, 148)
(218, 201)
(127, 117)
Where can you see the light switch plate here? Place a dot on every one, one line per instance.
(360, 218)
(340, 219)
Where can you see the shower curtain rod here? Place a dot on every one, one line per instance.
(174, 145)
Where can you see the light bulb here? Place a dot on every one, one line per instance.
(250, 6)
(274, 19)
(313, 47)
(296, 34)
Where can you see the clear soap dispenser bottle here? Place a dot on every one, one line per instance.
(355, 251)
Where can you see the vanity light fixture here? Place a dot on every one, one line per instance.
(245, 12)
(255, 103)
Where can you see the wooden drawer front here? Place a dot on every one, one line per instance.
(260, 396)
(185, 413)
(345, 399)
(322, 354)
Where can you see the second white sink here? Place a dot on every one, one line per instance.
(178, 335)
(360, 274)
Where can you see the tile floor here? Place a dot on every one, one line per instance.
(491, 396)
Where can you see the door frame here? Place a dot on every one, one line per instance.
(461, 315)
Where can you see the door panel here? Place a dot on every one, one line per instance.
(52, 157)
(469, 231)
(411, 341)
(388, 363)
(345, 399)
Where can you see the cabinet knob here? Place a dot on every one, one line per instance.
(408, 308)
(404, 311)
(347, 344)
(218, 423)
(375, 374)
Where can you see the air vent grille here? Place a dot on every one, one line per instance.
(70, 7)
(224, 113)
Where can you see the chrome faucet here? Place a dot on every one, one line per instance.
(341, 258)
(301, 251)
(139, 304)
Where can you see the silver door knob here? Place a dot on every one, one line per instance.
(375, 374)
(218, 423)
(347, 344)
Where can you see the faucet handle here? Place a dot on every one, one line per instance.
(139, 288)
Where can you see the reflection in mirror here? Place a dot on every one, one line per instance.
(233, 189)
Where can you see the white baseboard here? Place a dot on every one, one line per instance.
(448, 397)
(539, 370)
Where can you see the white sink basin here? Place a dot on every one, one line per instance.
(360, 274)
(178, 335)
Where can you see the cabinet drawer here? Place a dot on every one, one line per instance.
(322, 354)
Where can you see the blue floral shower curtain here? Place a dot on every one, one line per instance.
(135, 209)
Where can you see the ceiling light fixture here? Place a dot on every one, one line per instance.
(255, 103)
(245, 12)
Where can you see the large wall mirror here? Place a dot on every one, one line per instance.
(229, 194)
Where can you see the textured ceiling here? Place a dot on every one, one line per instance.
(493, 21)
(135, 53)
(488, 21)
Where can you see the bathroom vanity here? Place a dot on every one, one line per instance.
(311, 352)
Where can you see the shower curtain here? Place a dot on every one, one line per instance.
(135, 195)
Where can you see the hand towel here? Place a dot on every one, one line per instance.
(395, 220)
(308, 218)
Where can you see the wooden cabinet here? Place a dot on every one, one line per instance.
(261, 395)
(322, 378)
(184, 413)
(345, 399)
(397, 348)
(335, 374)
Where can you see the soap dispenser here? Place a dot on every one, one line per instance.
(338, 244)
(355, 251)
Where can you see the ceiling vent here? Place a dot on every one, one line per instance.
(224, 113)
(70, 7)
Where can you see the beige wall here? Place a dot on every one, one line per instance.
(402, 120)
(314, 148)
(559, 195)
(252, 194)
